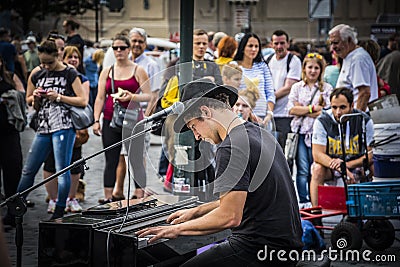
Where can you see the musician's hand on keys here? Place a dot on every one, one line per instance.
(181, 216)
(157, 232)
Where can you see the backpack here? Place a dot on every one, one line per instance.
(290, 56)
(171, 93)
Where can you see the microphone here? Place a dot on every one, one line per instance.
(176, 108)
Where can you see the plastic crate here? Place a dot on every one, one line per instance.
(374, 199)
(331, 197)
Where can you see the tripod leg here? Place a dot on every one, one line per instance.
(19, 238)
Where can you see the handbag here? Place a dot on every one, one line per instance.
(81, 118)
(292, 140)
(34, 122)
(122, 116)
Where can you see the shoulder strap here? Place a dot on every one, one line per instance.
(290, 56)
(269, 58)
(312, 97)
(112, 79)
(134, 69)
(314, 93)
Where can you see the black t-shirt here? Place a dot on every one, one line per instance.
(250, 160)
(206, 68)
(54, 116)
(77, 41)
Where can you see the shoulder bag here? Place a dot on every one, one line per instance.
(292, 140)
(81, 117)
(122, 117)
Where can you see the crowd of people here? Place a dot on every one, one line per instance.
(239, 89)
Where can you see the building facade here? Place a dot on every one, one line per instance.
(161, 17)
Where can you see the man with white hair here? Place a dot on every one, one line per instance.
(358, 71)
(138, 38)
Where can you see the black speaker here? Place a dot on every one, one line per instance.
(116, 5)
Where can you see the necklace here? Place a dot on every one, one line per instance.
(227, 129)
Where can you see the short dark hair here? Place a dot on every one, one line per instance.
(200, 32)
(122, 38)
(74, 25)
(280, 33)
(4, 32)
(219, 102)
(346, 92)
(49, 47)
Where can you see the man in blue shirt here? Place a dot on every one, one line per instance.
(7, 50)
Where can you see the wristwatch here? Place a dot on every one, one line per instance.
(58, 99)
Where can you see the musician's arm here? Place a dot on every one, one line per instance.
(227, 215)
(189, 214)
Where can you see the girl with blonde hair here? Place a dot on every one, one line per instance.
(307, 98)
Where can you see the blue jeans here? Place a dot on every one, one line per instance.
(62, 143)
(304, 160)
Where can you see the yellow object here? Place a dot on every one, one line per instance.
(171, 93)
(119, 94)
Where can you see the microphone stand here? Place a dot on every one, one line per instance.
(17, 203)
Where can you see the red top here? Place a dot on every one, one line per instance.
(130, 84)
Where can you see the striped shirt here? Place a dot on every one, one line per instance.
(260, 76)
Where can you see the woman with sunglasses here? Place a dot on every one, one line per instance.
(72, 57)
(53, 86)
(131, 78)
(307, 98)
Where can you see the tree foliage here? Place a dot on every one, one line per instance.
(29, 9)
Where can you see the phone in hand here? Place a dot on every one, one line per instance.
(41, 91)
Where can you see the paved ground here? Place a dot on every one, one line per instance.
(94, 191)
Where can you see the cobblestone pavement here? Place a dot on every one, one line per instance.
(94, 191)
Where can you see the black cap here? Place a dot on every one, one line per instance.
(196, 90)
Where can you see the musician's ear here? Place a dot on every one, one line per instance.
(205, 111)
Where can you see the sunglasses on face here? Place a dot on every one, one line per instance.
(137, 41)
(122, 48)
(73, 57)
(48, 50)
(314, 55)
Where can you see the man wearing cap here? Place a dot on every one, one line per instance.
(257, 200)
(31, 55)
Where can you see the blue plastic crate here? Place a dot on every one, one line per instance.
(375, 199)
